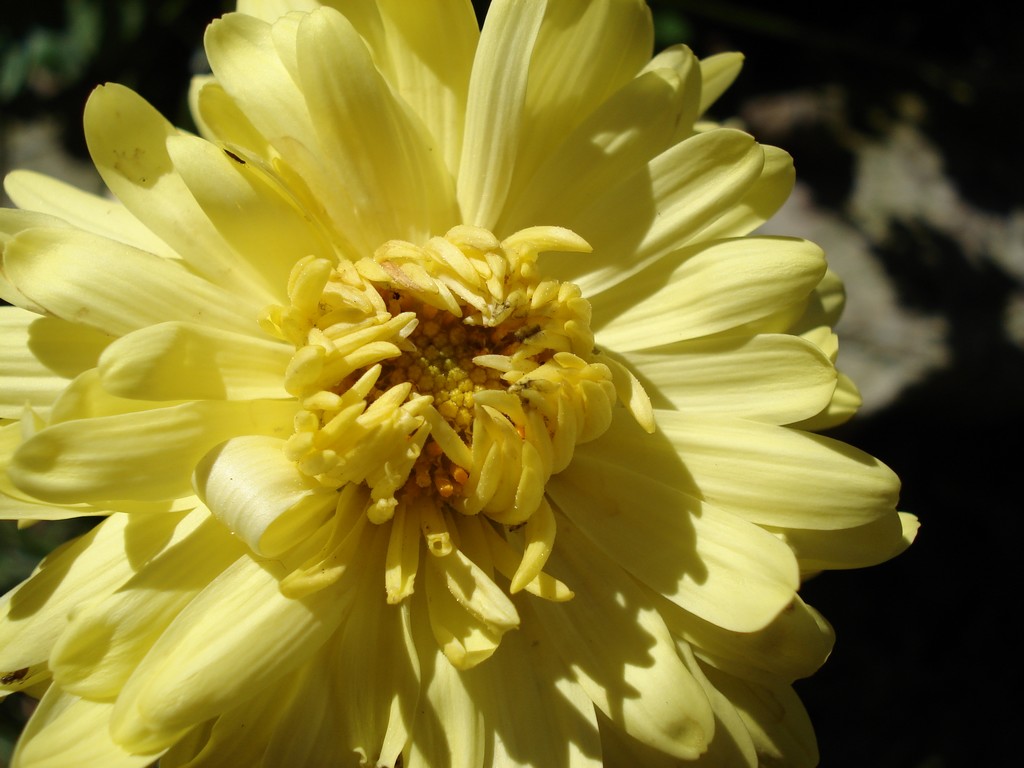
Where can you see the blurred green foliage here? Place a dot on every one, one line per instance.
(45, 58)
(54, 52)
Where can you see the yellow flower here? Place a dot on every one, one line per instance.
(438, 406)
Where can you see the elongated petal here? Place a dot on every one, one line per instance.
(794, 645)
(425, 51)
(773, 378)
(375, 654)
(239, 736)
(845, 403)
(241, 51)
(715, 288)
(220, 120)
(127, 140)
(186, 361)
(106, 639)
(788, 478)
(732, 744)
(494, 111)
(115, 457)
(305, 729)
(272, 10)
(260, 495)
(711, 563)
(83, 210)
(228, 644)
(633, 674)
(761, 200)
(619, 748)
(774, 717)
(540, 718)
(249, 208)
(385, 158)
(680, 60)
(661, 207)
(859, 547)
(15, 508)
(18, 505)
(621, 135)
(449, 727)
(66, 730)
(113, 287)
(598, 46)
(468, 612)
(12, 223)
(91, 566)
(717, 73)
(40, 357)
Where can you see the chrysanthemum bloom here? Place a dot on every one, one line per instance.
(437, 405)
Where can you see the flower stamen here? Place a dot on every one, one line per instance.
(447, 378)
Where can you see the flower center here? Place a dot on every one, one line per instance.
(441, 364)
(448, 374)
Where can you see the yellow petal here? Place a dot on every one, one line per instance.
(116, 457)
(598, 46)
(241, 50)
(375, 655)
(113, 287)
(106, 639)
(127, 140)
(89, 567)
(368, 138)
(449, 729)
(711, 563)
(632, 674)
(732, 744)
(620, 136)
(680, 60)
(66, 730)
(41, 355)
(774, 717)
(469, 613)
(220, 120)
(494, 111)
(662, 206)
(717, 73)
(260, 495)
(761, 200)
(432, 76)
(237, 636)
(249, 208)
(713, 288)
(83, 210)
(186, 361)
(778, 476)
(843, 405)
(792, 646)
(860, 547)
(541, 718)
(272, 10)
(773, 378)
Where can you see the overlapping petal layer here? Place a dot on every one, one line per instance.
(470, 315)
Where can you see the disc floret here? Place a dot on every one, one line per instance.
(447, 379)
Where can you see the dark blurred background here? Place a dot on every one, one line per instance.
(905, 129)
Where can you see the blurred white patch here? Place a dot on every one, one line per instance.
(902, 178)
(1014, 319)
(883, 346)
(36, 146)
